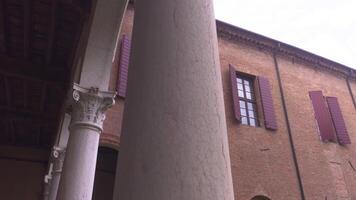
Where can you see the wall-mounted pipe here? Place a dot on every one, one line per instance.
(350, 90)
(288, 128)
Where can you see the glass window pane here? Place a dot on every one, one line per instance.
(251, 114)
(244, 120)
(239, 86)
(252, 122)
(242, 104)
(243, 111)
(247, 88)
(246, 82)
(248, 95)
(241, 93)
(249, 106)
(239, 80)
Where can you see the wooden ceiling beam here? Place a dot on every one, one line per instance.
(76, 44)
(82, 10)
(60, 87)
(7, 91)
(27, 70)
(3, 47)
(25, 93)
(25, 114)
(43, 97)
(12, 130)
(27, 27)
(52, 32)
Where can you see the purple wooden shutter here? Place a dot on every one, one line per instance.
(338, 120)
(123, 66)
(235, 97)
(267, 103)
(322, 116)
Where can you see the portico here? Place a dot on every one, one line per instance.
(174, 142)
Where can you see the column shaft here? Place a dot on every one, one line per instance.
(174, 139)
(88, 114)
(77, 180)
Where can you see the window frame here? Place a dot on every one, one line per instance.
(245, 101)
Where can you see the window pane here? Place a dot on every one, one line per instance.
(241, 93)
(251, 114)
(252, 122)
(247, 88)
(244, 120)
(239, 86)
(248, 95)
(249, 106)
(239, 80)
(243, 112)
(242, 104)
(246, 82)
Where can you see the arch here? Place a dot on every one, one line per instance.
(109, 145)
(260, 197)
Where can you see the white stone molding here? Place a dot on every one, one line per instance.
(55, 166)
(89, 106)
(58, 155)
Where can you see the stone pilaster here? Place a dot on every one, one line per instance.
(51, 179)
(88, 114)
(57, 156)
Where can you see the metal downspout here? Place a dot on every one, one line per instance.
(350, 91)
(288, 128)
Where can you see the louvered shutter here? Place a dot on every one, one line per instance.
(338, 120)
(235, 97)
(322, 116)
(123, 66)
(267, 103)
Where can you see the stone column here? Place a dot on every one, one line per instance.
(174, 139)
(57, 164)
(88, 113)
(56, 160)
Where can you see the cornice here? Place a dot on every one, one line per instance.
(231, 32)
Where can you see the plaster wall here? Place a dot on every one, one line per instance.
(22, 171)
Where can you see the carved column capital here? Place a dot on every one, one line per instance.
(89, 106)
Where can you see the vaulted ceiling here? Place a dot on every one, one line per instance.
(38, 41)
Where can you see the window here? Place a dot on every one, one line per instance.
(329, 118)
(247, 100)
(244, 99)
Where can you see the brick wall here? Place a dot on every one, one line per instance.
(325, 167)
(353, 87)
(112, 125)
(261, 160)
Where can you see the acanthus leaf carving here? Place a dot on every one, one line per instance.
(89, 106)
